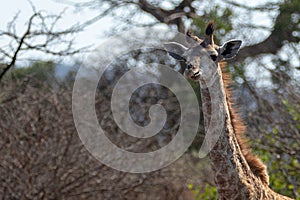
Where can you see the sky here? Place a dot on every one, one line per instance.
(11, 7)
(94, 34)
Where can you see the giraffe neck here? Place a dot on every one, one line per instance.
(229, 165)
(213, 96)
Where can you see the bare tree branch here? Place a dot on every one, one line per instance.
(14, 58)
(40, 35)
(169, 16)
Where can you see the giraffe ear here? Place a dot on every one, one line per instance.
(230, 49)
(176, 50)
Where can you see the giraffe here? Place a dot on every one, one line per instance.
(239, 174)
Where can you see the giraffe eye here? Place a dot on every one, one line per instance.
(189, 66)
(214, 57)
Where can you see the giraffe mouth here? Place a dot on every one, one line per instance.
(196, 75)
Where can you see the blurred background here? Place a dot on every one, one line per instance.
(42, 45)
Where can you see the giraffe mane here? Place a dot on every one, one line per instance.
(239, 127)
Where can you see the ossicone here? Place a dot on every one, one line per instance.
(210, 28)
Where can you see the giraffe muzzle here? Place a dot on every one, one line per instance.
(192, 74)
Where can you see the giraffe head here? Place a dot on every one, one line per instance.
(202, 59)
